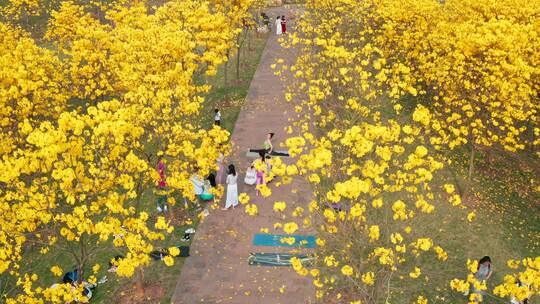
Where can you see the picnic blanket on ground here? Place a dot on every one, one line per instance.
(284, 240)
(278, 259)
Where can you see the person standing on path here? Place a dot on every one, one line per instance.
(283, 25)
(278, 26)
(232, 189)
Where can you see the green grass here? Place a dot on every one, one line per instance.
(230, 98)
(507, 225)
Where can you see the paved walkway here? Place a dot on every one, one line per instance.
(217, 271)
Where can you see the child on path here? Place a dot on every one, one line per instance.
(232, 189)
(217, 117)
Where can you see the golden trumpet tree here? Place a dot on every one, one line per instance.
(73, 180)
(453, 73)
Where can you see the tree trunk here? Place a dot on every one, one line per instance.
(468, 185)
(226, 71)
(238, 59)
(248, 39)
(139, 283)
(81, 262)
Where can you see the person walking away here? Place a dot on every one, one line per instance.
(278, 26)
(283, 25)
(232, 189)
(217, 117)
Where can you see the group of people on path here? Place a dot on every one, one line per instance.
(281, 25)
(257, 173)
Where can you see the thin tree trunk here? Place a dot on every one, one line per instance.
(139, 283)
(240, 44)
(226, 71)
(468, 184)
(80, 266)
(238, 58)
(248, 39)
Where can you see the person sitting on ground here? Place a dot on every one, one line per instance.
(513, 300)
(209, 183)
(251, 176)
(198, 185)
(113, 264)
(212, 180)
(267, 145)
(72, 278)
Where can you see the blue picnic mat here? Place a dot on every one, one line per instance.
(304, 241)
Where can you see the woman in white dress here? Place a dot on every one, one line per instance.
(278, 25)
(251, 176)
(232, 189)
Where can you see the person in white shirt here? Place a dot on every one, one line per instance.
(251, 176)
(198, 185)
(278, 25)
(217, 117)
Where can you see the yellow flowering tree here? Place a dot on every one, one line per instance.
(382, 88)
(73, 180)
